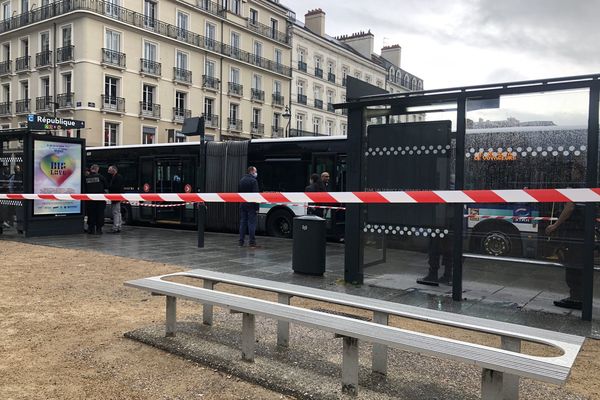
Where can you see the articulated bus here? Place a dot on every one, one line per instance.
(496, 158)
(284, 165)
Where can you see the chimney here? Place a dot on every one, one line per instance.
(392, 54)
(314, 20)
(361, 41)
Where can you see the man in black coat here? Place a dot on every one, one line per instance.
(248, 218)
(95, 183)
(115, 186)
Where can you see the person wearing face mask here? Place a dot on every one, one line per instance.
(248, 218)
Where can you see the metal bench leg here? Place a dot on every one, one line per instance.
(248, 337)
(491, 385)
(510, 382)
(171, 315)
(350, 366)
(207, 309)
(379, 362)
(283, 327)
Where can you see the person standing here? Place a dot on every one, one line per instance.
(95, 183)
(115, 186)
(570, 228)
(316, 185)
(325, 180)
(248, 217)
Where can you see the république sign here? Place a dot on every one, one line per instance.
(40, 122)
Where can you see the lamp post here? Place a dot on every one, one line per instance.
(286, 114)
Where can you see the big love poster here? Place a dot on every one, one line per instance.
(56, 170)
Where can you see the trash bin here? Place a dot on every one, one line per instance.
(308, 254)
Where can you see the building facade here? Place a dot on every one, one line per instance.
(320, 65)
(133, 70)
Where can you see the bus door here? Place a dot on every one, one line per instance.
(169, 175)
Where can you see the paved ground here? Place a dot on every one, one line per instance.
(505, 291)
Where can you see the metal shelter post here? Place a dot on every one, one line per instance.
(459, 184)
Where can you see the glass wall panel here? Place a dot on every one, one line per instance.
(526, 255)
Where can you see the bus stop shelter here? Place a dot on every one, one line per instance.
(515, 135)
(34, 162)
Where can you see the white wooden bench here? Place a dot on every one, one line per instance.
(501, 367)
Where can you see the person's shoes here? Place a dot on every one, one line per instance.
(254, 246)
(569, 303)
(445, 279)
(431, 280)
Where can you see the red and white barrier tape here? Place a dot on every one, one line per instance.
(154, 205)
(508, 217)
(399, 197)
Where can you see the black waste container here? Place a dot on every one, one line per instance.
(308, 255)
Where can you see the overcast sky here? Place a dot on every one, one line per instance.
(471, 42)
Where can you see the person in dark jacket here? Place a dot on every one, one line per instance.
(95, 183)
(115, 186)
(316, 185)
(248, 184)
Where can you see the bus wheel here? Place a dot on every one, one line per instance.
(501, 242)
(279, 224)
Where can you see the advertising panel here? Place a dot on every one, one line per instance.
(56, 170)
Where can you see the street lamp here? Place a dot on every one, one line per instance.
(286, 114)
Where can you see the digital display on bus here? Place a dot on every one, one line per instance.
(56, 170)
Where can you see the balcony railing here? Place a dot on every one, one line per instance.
(211, 120)
(319, 104)
(234, 124)
(149, 110)
(44, 103)
(331, 77)
(5, 67)
(65, 54)
(210, 82)
(278, 99)
(302, 66)
(235, 89)
(210, 7)
(257, 95)
(6, 108)
(132, 18)
(23, 106)
(302, 99)
(113, 104)
(22, 64)
(276, 131)
(179, 114)
(65, 100)
(318, 72)
(330, 107)
(267, 31)
(43, 59)
(182, 75)
(111, 57)
(150, 67)
(257, 128)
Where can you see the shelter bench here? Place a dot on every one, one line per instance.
(501, 367)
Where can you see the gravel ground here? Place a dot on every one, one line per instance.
(64, 314)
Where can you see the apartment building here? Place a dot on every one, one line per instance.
(133, 70)
(320, 65)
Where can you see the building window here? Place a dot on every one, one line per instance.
(174, 136)
(6, 52)
(183, 20)
(150, 51)
(6, 92)
(111, 133)
(180, 100)
(277, 88)
(330, 96)
(233, 113)
(235, 40)
(113, 40)
(149, 13)
(330, 128)
(148, 135)
(111, 87)
(112, 7)
(181, 60)
(276, 121)
(300, 87)
(148, 97)
(316, 125)
(301, 55)
(344, 129)
(368, 78)
(6, 13)
(66, 33)
(209, 68)
(234, 75)
(24, 90)
(317, 62)
(256, 117)
(256, 82)
(236, 7)
(274, 27)
(278, 56)
(257, 49)
(300, 122)
(253, 16)
(209, 106)
(45, 86)
(211, 35)
(24, 47)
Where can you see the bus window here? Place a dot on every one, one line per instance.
(282, 175)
